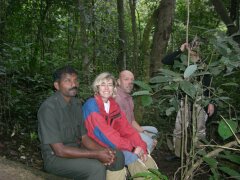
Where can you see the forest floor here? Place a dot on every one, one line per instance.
(26, 152)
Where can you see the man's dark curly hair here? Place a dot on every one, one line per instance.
(57, 75)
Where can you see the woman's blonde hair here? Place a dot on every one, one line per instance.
(100, 78)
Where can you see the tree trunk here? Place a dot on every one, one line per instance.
(161, 36)
(135, 65)
(145, 45)
(121, 59)
(227, 20)
(3, 15)
(84, 41)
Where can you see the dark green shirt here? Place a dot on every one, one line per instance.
(59, 122)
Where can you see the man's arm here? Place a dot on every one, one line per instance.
(137, 126)
(169, 59)
(90, 144)
(106, 156)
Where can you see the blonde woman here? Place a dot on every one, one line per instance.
(107, 124)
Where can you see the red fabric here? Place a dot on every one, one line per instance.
(114, 126)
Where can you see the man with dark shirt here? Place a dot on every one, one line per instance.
(202, 113)
(66, 149)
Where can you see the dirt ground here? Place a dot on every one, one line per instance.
(28, 154)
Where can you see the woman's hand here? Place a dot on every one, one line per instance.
(140, 153)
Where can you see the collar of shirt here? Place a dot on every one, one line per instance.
(62, 102)
(123, 94)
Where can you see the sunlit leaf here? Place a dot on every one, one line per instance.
(190, 70)
(230, 84)
(140, 93)
(147, 175)
(17, 49)
(224, 130)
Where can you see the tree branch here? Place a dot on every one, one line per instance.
(210, 154)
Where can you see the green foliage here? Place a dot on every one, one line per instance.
(33, 136)
(231, 157)
(187, 82)
(188, 88)
(143, 85)
(39, 36)
(146, 99)
(227, 128)
(152, 174)
(212, 162)
(231, 172)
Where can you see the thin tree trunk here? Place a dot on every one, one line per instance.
(3, 15)
(162, 34)
(33, 63)
(224, 15)
(135, 65)
(145, 45)
(121, 59)
(84, 40)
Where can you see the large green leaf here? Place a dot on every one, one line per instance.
(188, 88)
(215, 173)
(190, 70)
(146, 175)
(231, 157)
(146, 100)
(140, 93)
(201, 73)
(160, 79)
(230, 84)
(173, 86)
(224, 129)
(211, 161)
(143, 85)
(233, 174)
(169, 111)
(170, 73)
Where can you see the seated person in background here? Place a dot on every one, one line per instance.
(107, 125)
(125, 101)
(66, 148)
(203, 113)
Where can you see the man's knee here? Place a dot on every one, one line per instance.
(80, 168)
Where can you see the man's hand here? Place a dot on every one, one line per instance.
(210, 110)
(184, 46)
(106, 156)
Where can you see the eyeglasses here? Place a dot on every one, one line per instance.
(106, 85)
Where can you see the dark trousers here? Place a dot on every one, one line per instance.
(83, 168)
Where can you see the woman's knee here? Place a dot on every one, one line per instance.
(119, 162)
